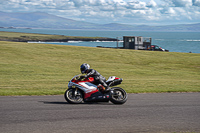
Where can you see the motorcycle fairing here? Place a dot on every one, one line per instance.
(87, 87)
(111, 78)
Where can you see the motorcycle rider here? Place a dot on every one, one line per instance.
(85, 68)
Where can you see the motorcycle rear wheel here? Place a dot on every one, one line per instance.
(118, 95)
(73, 96)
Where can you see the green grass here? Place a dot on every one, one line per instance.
(44, 69)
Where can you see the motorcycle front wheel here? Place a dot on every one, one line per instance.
(73, 96)
(118, 95)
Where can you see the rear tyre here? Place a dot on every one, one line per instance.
(73, 96)
(118, 95)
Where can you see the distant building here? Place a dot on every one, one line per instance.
(136, 42)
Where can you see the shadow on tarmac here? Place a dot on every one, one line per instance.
(102, 103)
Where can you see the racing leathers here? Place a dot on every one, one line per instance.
(97, 77)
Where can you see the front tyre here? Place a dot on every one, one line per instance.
(73, 96)
(118, 95)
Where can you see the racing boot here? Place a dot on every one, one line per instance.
(107, 88)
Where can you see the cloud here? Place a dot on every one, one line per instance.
(182, 3)
(108, 11)
(152, 3)
(135, 5)
(196, 2)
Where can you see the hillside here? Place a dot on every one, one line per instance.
(40, 20)
(45, 20)
(44, 69)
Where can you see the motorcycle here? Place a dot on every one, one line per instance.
(87, 90)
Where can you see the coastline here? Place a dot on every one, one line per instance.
(34, 37)
(175, 42)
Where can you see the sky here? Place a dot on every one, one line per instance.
(133, 12)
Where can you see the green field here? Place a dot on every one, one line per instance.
(44, 69)
(25, 37)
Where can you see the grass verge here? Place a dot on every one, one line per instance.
(44, 69)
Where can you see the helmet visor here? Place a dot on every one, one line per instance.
(82, 70)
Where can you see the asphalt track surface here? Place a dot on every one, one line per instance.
(151, 113)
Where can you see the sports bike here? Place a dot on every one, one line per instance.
(87, 90)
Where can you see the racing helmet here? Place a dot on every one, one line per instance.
(84, 67)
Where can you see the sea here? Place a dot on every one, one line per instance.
(186, 42)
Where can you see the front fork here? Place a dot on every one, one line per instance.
(75, 92)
